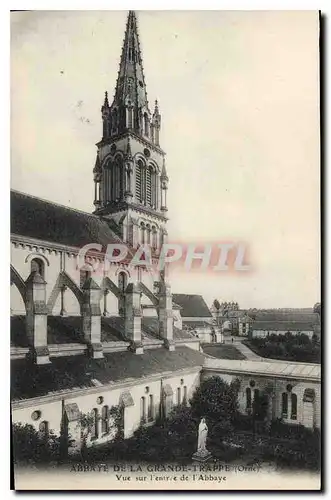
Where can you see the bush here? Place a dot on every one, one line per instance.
(216, 400)
(29, 446)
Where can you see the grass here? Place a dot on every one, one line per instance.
(222, 351)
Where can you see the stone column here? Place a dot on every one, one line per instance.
(91, 316)
(36, 318)
(165, 314)
(133, 317)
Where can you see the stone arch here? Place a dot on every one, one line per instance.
(64, 280)
(33, 255)
(17, 280)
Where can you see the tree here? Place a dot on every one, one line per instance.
(216, 400)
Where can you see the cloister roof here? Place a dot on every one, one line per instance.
(278, 369)
(74, 372)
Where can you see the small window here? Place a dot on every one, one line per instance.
(185, 395)
(143, 410)
(284, 405)
(44, 430)
(95, 424)
(38, 266)
(179, 396)
(105, 420)
(150, 408)
(294, 401)
(309, 396)
(248, 398)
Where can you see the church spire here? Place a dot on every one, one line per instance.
(131, 82)
(129, 110)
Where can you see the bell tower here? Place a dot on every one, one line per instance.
(130, 174)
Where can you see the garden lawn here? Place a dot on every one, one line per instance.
(223, 351)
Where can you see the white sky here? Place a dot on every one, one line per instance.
(238, 93)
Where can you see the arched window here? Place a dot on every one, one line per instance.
(284, 405)
(44, 430)
(294, 406)
(143, 410)
(154, 237)
(95, 424)
(179, 400)
(248, 398)
(149, 186)
(105, 420)
(118, 180)
(185, 395)
(140, 181)
(148, 234)
(38, 266)
(150, 408)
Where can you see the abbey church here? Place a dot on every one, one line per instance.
(85, 341)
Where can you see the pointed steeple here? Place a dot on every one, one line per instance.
(129, 110)
(131, 82)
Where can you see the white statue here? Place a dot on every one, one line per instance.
(202, 437)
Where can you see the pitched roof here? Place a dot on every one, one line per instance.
(283, 369)
(70, 372)
(68, 329)
(44, 220)
(301, 316)
(197, 324)
(283, 325)
(192, 305)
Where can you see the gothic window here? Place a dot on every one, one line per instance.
(95, 424)
(140, 182)
(37, 265)
(150, 408)
(248, 398)
(118, 180)
(154, 237)
(148, 234)
(105, 420)
(284, 405)
(149, 186)
(294, 406)
(143, 409)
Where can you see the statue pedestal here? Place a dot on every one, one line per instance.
(201, 455)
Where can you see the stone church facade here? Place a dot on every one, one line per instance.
(84, 341)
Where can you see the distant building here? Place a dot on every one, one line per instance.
(281, 321)
(193, 313)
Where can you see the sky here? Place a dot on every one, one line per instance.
(239, 97)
